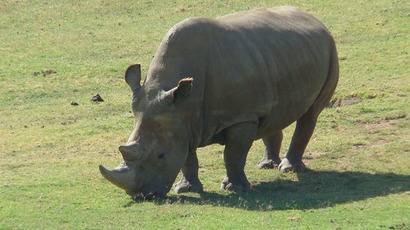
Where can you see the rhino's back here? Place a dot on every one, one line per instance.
(266, 66)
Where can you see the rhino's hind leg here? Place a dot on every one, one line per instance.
(303, 132)
(189, 181)
(271, 157)
(238, 140)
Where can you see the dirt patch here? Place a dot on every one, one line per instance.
(316, 154)
(44, 73)
(294, 218)
(382, 125)
(310, 156)
(377, 144)
(379, 126)
(400, 226)
(336, 102)
(387, 126)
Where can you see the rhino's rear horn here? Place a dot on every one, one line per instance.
(130, 152)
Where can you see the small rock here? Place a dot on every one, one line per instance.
(97, 98)
(74, 103)
(48, 72)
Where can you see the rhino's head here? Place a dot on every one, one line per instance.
(158, 146)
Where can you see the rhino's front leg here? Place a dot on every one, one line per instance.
(189, 181)
(239, 139)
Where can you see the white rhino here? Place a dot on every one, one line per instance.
(229, 80)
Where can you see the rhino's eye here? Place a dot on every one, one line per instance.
(161, 156)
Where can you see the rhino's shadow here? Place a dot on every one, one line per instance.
(314, 189)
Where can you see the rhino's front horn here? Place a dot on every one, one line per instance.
(122, 176)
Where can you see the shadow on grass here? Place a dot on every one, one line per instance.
(314, 189)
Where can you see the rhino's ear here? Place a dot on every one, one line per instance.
(179, 93)
(133, 78)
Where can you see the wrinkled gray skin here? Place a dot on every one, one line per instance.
(230, 80)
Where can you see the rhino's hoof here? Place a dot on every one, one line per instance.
(268, 164)
(244, 186)
(185, 186)
(286, 166)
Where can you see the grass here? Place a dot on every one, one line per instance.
(359, 175)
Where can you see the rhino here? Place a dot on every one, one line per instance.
(230, 80)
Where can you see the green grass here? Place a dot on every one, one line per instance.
(359, 175)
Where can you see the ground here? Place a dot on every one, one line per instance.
(55, 53)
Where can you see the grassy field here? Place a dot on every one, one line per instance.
(55, 52)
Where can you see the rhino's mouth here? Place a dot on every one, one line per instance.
(149, 192)
(124, 177)
(146, 196)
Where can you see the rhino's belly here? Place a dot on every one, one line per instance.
(270, 116)
(279, 118)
